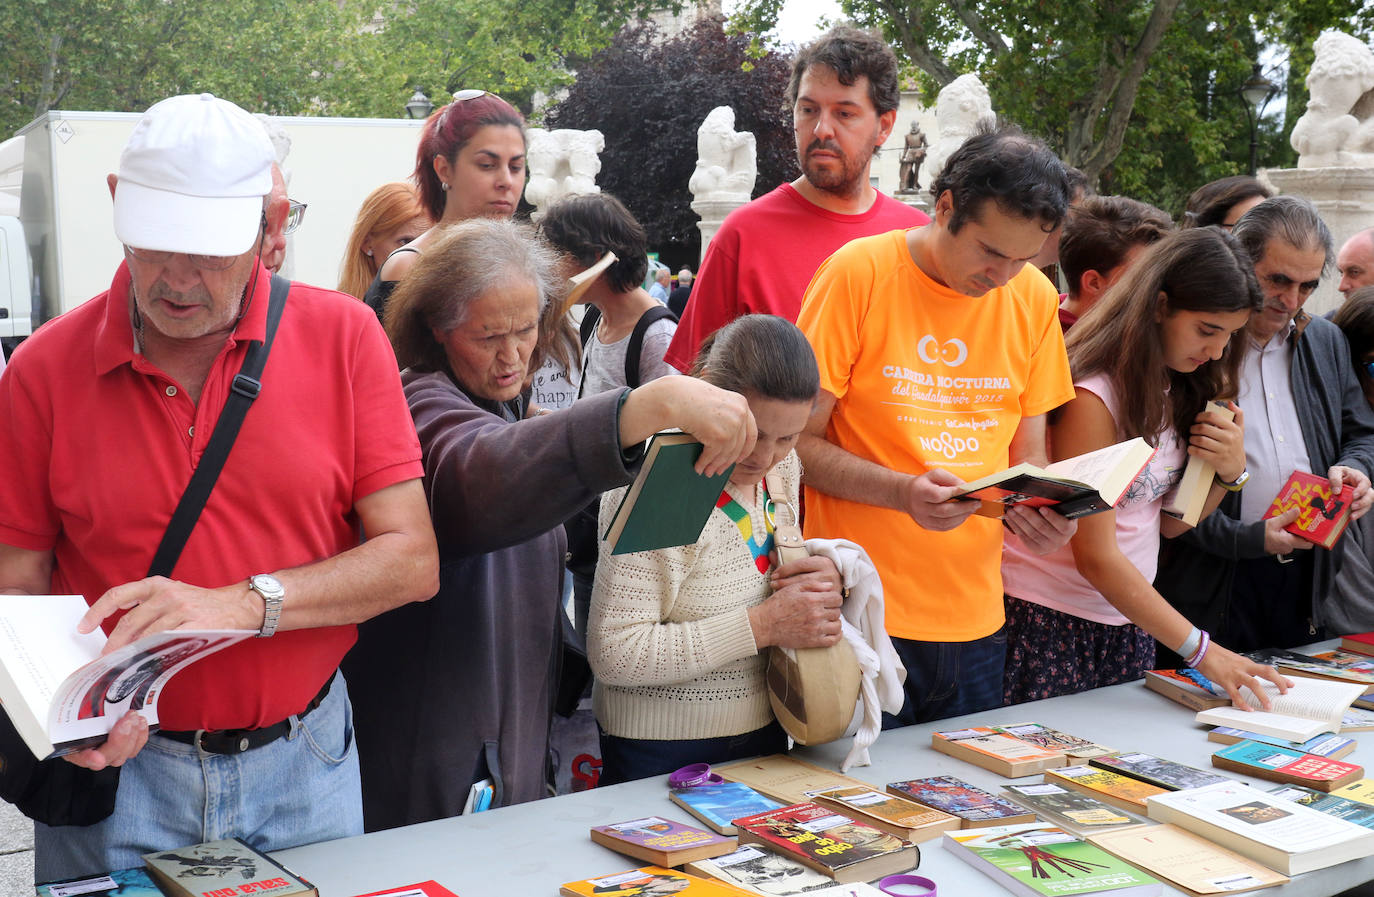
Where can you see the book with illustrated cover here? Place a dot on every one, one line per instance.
(1361, 814)
(1322, 515)
(895, 815)
(719, 805)
(1076, 813)
(829, 842)
(214, 867)
(1071, 746)
(1333, 747)
(1187, 500)
(1039, 860)
(1122, 792)
(1192, 864)
(649, 881)
(1153, 770)
(1186, 686)
(1309, 707)
(1276, 764)
(1285, 836)
(785, 778)
(669, 502)
(1075, 487)
(1333, 666)
(765, 872)
(120, 883)
(664, 842)
(974, 806)
(1362, 791)
(62, 695)
(995, 751)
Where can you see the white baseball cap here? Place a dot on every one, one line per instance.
(192, 178)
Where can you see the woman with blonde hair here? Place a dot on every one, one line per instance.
(390, 217)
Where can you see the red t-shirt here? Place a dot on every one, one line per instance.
(764, 255)
(97, 446)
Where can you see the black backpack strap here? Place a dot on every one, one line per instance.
(636, 346)
(588, 325)
(247, 384)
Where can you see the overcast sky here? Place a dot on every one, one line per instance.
(798, 22)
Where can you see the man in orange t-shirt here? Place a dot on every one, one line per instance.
(940, 353)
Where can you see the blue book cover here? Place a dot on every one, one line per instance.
(720, 805)
(1341, 807)
(120, 883)
(1324, 745)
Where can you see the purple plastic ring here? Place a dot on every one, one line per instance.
(693, 776)
(919, 881)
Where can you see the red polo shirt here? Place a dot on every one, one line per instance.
(97, 445)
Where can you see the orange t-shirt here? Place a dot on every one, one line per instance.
(926, 377)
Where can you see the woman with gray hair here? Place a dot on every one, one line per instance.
(461, 688)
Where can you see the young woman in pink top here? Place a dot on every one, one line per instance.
(1146, 358)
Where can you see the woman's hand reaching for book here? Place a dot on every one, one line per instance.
(1232, 672)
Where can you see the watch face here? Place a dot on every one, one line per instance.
(267, 584)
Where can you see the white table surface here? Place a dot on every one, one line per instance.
(530, 849)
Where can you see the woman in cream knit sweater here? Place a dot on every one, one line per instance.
(676, 635)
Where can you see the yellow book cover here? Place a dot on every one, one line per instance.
(1112, 787)
(1362, 791)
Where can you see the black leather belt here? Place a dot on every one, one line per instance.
(236, 741)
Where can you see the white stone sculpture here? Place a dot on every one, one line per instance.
(562, 162)
(1337, 130)
(961, 107)
(727, 160)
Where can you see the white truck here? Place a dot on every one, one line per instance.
(58, 248)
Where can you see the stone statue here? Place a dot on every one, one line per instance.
(562, 162)
(962, 106)
(1337, 130)
(913, 154)
(727, 163)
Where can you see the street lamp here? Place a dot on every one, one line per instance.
(1256, 93)
(419, 105)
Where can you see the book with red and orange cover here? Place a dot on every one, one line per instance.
(829, 842)
(421, 889)
(1359, 642)
(1322, 515)
(996, 751)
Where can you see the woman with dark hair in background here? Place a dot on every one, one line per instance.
(1223, 201)
(1348, 606)
(470, 164)
(390, 217)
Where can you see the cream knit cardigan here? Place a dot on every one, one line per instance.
(669, 636)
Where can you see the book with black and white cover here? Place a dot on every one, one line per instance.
(1154, 770)
(213, 867)
(1285, 836)
(762, 871)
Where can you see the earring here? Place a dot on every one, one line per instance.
(443, 185)
(368, 253)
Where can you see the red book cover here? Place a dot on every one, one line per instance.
(1360, 642)
(821, 838)
(422, 889)
(1323, 516)
(1278, 764)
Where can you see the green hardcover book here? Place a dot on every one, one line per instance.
(669, 502)
(1038, 860)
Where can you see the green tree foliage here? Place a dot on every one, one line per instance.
(648, 96)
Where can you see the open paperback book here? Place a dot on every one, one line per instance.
(1075, 487)
(1310, 707)
(61, 695)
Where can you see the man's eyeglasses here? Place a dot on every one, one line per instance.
(295, 215)
(161, 257)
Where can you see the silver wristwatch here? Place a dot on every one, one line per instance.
(270, 588)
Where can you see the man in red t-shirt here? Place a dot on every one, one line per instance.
(105, 413)
(844, 96)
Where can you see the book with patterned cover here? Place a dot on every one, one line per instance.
(1322, 515)
(956, 797)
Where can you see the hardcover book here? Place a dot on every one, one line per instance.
(1186, 686)
(1361, 814)
(61, 694)
(1038, 860)
(1322, 515)
(663, 842)
(218, 867)
(1191, 864)
(765, 872)
(1157, 771)
(1333, 747)
(1186, 500)
(719, 805)
(1284, 836)
(120, 883)
(669, 502)
(1075, 487)
(1076, 813)
(894, 815)
(649, 881)
(1359, 643)
(974, 806)
(1277, 764)
(1122, 792)
(1310, 707)
(829, 842)
(785, 778)
(994, 751)
(1048, 739)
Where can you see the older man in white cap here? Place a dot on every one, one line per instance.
(104, 416)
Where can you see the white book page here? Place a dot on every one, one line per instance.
(39, 647)
(1263, 817)
(1093, 467)
(1279, 725)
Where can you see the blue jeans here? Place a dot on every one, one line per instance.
(945, 679)
(627, 759)
(299, 789)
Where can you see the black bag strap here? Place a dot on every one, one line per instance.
(636, 346)
(247, 384)
(588, 325)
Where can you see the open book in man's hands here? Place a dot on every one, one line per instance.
(1075, 487)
